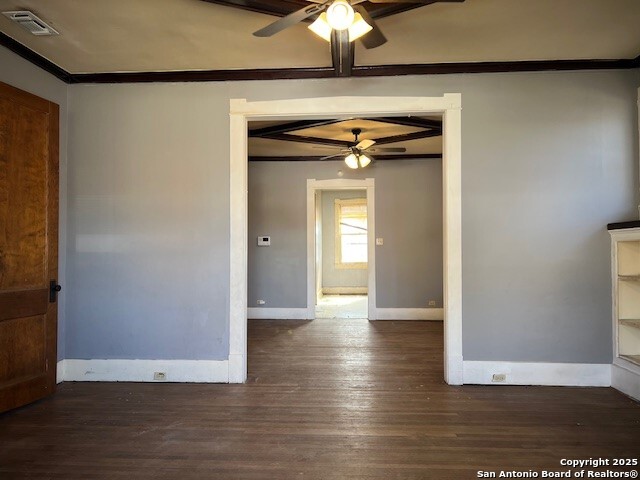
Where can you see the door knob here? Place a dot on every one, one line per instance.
(54, 288)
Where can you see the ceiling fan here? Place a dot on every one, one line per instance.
(355, 158)
(345, 16)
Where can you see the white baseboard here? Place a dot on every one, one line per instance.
(344, 290)
(409, 314)
(260, 313)
(197, 371)
(237, 368)
(60, 371)
(474, 372)
(626, 380)
(522, 373)
(453, 369)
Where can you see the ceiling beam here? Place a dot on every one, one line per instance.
(412, 122)
(310, 140)
(321, 72)
(317, 158)
(302, 124)
(342, 53)
(290, 127)
(281, 132)
(408, 136)
(407, 156)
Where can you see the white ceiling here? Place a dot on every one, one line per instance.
(169, 35)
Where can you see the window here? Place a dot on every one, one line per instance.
(351, 233)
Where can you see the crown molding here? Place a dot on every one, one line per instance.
(495, 67)
(206, 75)
(38, 60)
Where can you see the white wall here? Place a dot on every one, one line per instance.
(548, 160)
(21, 74)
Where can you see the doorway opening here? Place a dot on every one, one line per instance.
(449, 106)
(342, 259)
(342, 305)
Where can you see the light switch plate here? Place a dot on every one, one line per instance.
(379, 241)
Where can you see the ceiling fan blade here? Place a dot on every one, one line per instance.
(330, 147)
(290, 20)
(364, 144)
(332, 156)
(375, 37)
(389, 149)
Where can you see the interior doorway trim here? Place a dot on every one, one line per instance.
(242, 111)
(314, 186)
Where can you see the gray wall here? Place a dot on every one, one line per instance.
(277, 207)
(548, 160)
(409, 267)
(149, 223)
(22, 74)
(332, 276)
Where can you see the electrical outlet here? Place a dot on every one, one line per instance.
(432, 303)
(261, 302)
(160, 376)
(499, 377)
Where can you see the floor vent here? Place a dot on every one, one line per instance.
(31, 22)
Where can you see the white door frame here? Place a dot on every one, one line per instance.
(313, 186)
(318, 232)
(242, 111)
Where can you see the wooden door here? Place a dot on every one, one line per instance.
(28, 246)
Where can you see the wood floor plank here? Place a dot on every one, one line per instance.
(328, 399)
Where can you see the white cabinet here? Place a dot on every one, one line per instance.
(625, 269)
(627, 286)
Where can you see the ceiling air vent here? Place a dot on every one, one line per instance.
(30, 21)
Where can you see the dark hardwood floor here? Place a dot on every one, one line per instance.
(329, 399)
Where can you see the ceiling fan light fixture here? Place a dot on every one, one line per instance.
(351, 160)
(358, 28)
(340, 15)
(363, 160)
(321, 27)
(357, 160)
